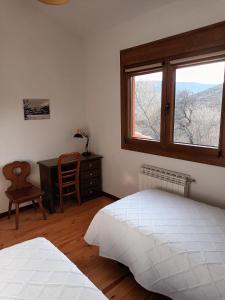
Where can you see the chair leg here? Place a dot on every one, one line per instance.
(78, 195)
(41, 207)
(34, 205)
(10, 208)
(17, 215)
(61, 201)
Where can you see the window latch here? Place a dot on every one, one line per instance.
(167, 107)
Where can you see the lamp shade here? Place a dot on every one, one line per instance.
(54, 2)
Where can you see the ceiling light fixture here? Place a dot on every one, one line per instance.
(54, 2)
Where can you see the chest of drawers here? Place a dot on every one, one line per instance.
(90, 178)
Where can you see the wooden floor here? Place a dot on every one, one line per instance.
(66, 231)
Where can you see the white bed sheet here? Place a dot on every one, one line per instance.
(36, 269)
(173, 245)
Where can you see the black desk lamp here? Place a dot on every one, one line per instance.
(82, 134)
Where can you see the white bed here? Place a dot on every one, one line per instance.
(173, 245)
(36, 269)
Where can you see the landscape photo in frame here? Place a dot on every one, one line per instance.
(36, 109)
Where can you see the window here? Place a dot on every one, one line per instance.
(198, 103)
(146, 105)
(172, 96)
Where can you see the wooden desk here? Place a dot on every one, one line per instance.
(90, 179)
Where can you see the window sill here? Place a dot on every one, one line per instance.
(191, 153)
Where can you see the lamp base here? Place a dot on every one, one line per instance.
(86, 154)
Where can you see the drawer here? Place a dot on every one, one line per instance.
(90, 192)
(90, 174)
(90, 165)
(85, 183)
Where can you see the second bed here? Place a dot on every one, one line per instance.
(173, 245)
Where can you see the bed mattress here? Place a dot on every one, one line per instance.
(173, 245)
(36, 269)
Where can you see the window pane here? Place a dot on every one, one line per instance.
(146, 105)
(198, 102)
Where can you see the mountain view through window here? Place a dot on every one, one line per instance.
(147, 106)
(198, 99)
(198, 104)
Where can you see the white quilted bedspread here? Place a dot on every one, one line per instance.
(36, 269)
(173, 245)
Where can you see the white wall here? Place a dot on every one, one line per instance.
(37, 59)
(102, 94)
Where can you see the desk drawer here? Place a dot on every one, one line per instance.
(90, 165)
(89, 174)
(86, 183)
(90, 192)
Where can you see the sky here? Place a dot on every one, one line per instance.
(212, 73)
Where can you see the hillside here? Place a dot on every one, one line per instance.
(195, 87)
(197, 112)
(211, 96)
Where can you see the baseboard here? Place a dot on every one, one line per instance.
(13, 211)
(114, 198)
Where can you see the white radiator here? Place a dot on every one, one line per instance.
(153, 177)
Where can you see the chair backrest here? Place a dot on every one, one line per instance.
(68, 167)
(17, 172)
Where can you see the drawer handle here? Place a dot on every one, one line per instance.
(91, 182)
(90, 165)
(91, 174)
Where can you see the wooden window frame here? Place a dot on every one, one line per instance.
(200, 43)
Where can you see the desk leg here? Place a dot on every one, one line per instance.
(46, 179)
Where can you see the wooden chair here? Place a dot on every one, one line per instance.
(21, 190)
(68, 176)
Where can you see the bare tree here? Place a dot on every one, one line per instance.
(148, 109)
(197, 119)
(185, 106)
(197, 115)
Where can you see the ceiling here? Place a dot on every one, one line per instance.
(85, 17)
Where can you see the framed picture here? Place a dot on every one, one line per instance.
(36, 109)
